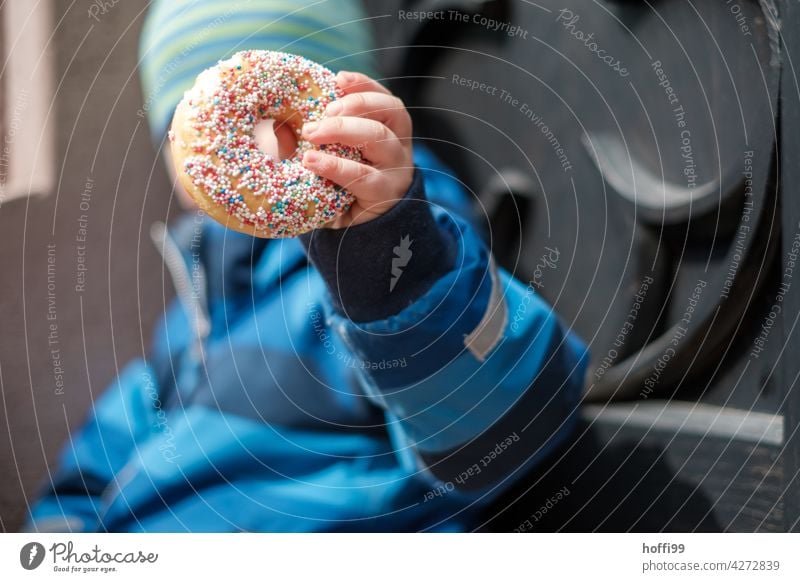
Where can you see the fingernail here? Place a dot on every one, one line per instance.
(310, 128)
(334, 108)
(311, 157)
(346, 77)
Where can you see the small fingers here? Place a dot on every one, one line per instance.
(353, 176)
(376, 141)
(351, 82)
(380, 107)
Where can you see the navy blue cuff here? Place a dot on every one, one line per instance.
(378, 268)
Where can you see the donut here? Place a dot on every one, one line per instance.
(218, 162)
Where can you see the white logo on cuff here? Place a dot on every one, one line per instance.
(402, 255)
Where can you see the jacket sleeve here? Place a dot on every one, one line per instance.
(478, 377)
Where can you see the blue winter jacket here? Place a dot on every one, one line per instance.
(397, 381)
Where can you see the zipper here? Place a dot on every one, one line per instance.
(192, 297)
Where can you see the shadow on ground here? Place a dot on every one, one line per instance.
(616, 485)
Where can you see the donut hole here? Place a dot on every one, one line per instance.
(275, 138)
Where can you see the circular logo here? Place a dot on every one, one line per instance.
(31, 555)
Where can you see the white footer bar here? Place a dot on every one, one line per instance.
(401, 557)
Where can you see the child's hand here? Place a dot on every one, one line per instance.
(370, 118)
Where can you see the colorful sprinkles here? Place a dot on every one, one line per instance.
(279, 198)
